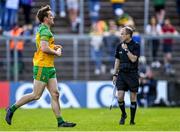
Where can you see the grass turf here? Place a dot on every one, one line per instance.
(147, 119)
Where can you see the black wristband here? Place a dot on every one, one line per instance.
(115, 75)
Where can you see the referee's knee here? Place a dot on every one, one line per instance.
(133, 96)
(120, 98)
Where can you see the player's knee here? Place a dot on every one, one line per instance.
(55, 94)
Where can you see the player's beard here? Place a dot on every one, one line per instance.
(51, 23)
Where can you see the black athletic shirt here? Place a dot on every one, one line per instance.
(126, 65)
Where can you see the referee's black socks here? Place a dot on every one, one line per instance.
(122, 107)
(133, 110)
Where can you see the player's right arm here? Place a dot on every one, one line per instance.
(46, 49)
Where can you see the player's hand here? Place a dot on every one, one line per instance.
(114, 79)
(57, 47)
(124, 46)
(59, 52)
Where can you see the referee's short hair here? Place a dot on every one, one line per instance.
(129, 30)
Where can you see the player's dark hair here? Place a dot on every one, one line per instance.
(129, 30)
(43, 12)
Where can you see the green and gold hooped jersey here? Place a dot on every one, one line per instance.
(40, 58)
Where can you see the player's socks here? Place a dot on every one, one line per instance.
(60, 120)
(122, 107)
(133, 111)
(13, 108)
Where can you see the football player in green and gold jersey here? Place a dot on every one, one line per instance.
(44, 73)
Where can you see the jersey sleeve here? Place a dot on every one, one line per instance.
(137, 50)
(45, 34)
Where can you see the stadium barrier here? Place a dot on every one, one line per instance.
(80, 94)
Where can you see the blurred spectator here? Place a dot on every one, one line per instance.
(110, 41)
(147, 90)
(125, 20)
(94, 7)
(16, 32)
(11, 13)
(117, 7)
(178, 8)
(35, 26)
(27, 31)
(35, 29)
(154, 29)
(168, 29)
(96, 52)
(73, 12)
(159, 7)
(2, 12)
(62, 11)
(101, 26)
(26, 6)
(136, 37)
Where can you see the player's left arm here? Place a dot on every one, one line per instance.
(46, 49)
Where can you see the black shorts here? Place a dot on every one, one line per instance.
(128, 81)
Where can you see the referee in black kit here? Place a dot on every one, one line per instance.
(126, 72)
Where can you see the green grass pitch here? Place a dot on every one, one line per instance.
(147, 119)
